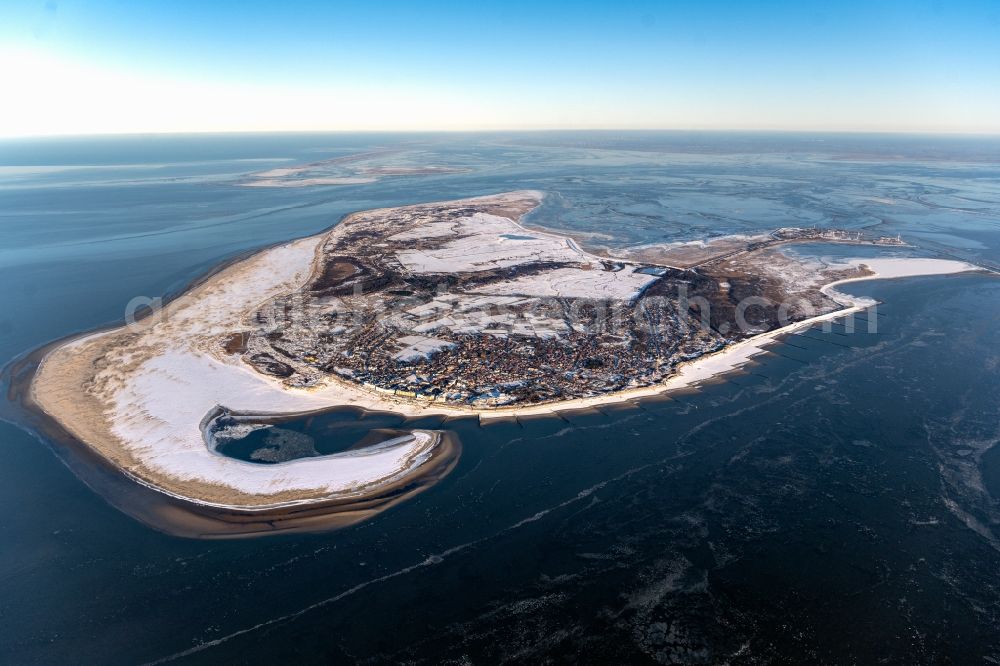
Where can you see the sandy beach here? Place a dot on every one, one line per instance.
(137, 395)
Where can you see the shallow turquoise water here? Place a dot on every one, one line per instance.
(834, 504)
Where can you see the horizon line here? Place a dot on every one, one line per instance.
(515, 130)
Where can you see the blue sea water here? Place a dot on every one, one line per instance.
(838, 503)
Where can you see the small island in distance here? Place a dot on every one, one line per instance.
(451, 308)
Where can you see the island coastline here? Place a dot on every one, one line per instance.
(690, 374)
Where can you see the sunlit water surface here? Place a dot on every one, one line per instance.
(839, 502)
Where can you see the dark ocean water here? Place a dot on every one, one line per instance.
(838, 503)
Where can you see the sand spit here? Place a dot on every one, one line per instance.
(356, 169)
(133, 399)
(308, 182)
(179, 516)
(136, 395)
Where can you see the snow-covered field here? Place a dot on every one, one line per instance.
(489, 314)
(624, 284)
(486, 242)
(157, 380)
(416, 347)
(900, 267)
(738, 355)
(160, 378)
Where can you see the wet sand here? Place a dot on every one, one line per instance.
(58, 386)
(180, 516)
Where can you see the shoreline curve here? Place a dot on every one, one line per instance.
(424, 461)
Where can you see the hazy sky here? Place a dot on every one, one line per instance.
(98, 66)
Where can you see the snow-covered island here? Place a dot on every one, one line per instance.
(453, 308)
